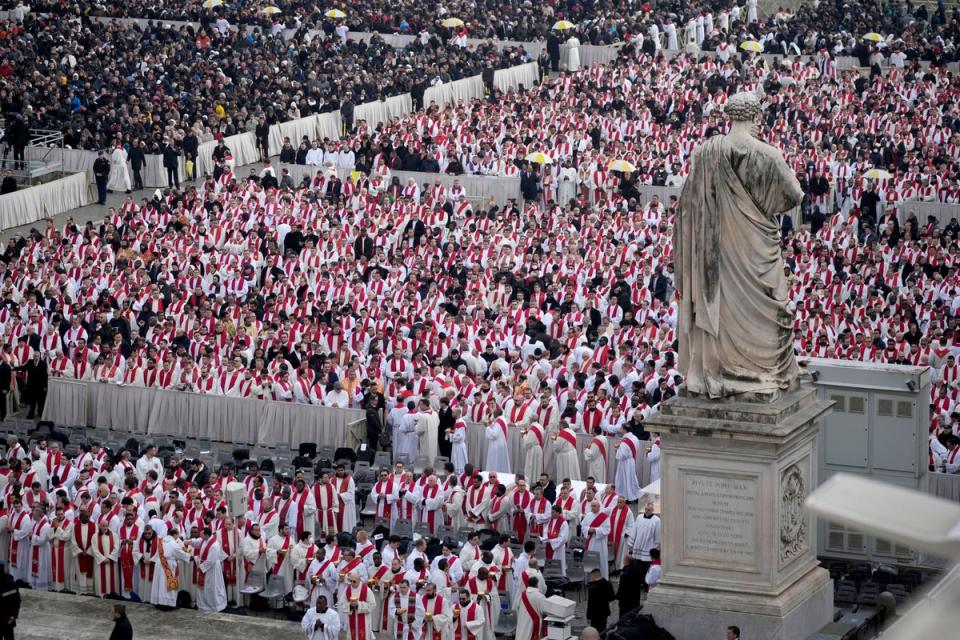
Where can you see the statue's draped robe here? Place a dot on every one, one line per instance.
(736, 330)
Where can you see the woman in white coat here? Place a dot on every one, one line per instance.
(119, 178)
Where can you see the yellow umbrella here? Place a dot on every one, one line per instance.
(539, 158)
(335, 13)
(751, 45)
(452, 22)
(272, 10)
(621, 165)
(210, 4)
(873, 37)
(878, 174)
(563, 24)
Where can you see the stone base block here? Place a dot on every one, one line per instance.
(699, 614)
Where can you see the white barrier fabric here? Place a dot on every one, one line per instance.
(309, 127)
(30, 204)
(525, 75)
(376, 113)
(453, 92)
(942, 211)
(477, 187)
(176, 413)
(74, 160)
(243, 146)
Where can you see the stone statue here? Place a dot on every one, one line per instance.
(736, 330)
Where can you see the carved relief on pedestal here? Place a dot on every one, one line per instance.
(793, 522)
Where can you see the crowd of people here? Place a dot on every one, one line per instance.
(108, 83)
(174, 532)
(833, 24)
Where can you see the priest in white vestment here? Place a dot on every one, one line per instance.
(40, 554)
(596, 456)
(119, 178)
(529, 607)
(166, 577)
(321, 622)
(432, 614)
(356, 607)
(498, 454)
(211, 589)
(626, 480)
(458, 442)
(428, 429)
(595, 528)
(565, 454)
(533, 441)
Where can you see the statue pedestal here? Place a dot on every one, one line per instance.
(737, 547)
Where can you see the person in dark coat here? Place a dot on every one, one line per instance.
(9, 184)
(35, 391)
(262, 133)
(6, 380)
(447, 422)
(374, 420)
(631, 585)
(553, 50)
(9, 604)
(191, 149)
(138, 158)
(529, 184)
(363, 246)
(122, 629)
(101, 173)
(171, 162)
(599, 596)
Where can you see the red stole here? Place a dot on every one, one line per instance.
(199, 577)
(319, 576)
(58, 568)
(539, 624)
(603, 451)
(325, 508)
(543, 506)
(342, 488)
(618, 522)
(356, 621)
(630, 444)
(384, 489)
(553, 531)
(85, 562)
(146, 569)
(35, 560)
(521, 502)
(505, 564)
(430, 491)
(14, 543)
(281, 555)
(127, 539)
(108, 577)
(301, 502)
(404, 630)
(597, 521)
(311, 552)
(437, 610)
(460, 630)
(229, 566)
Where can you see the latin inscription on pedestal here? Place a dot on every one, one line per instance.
(720, 520)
